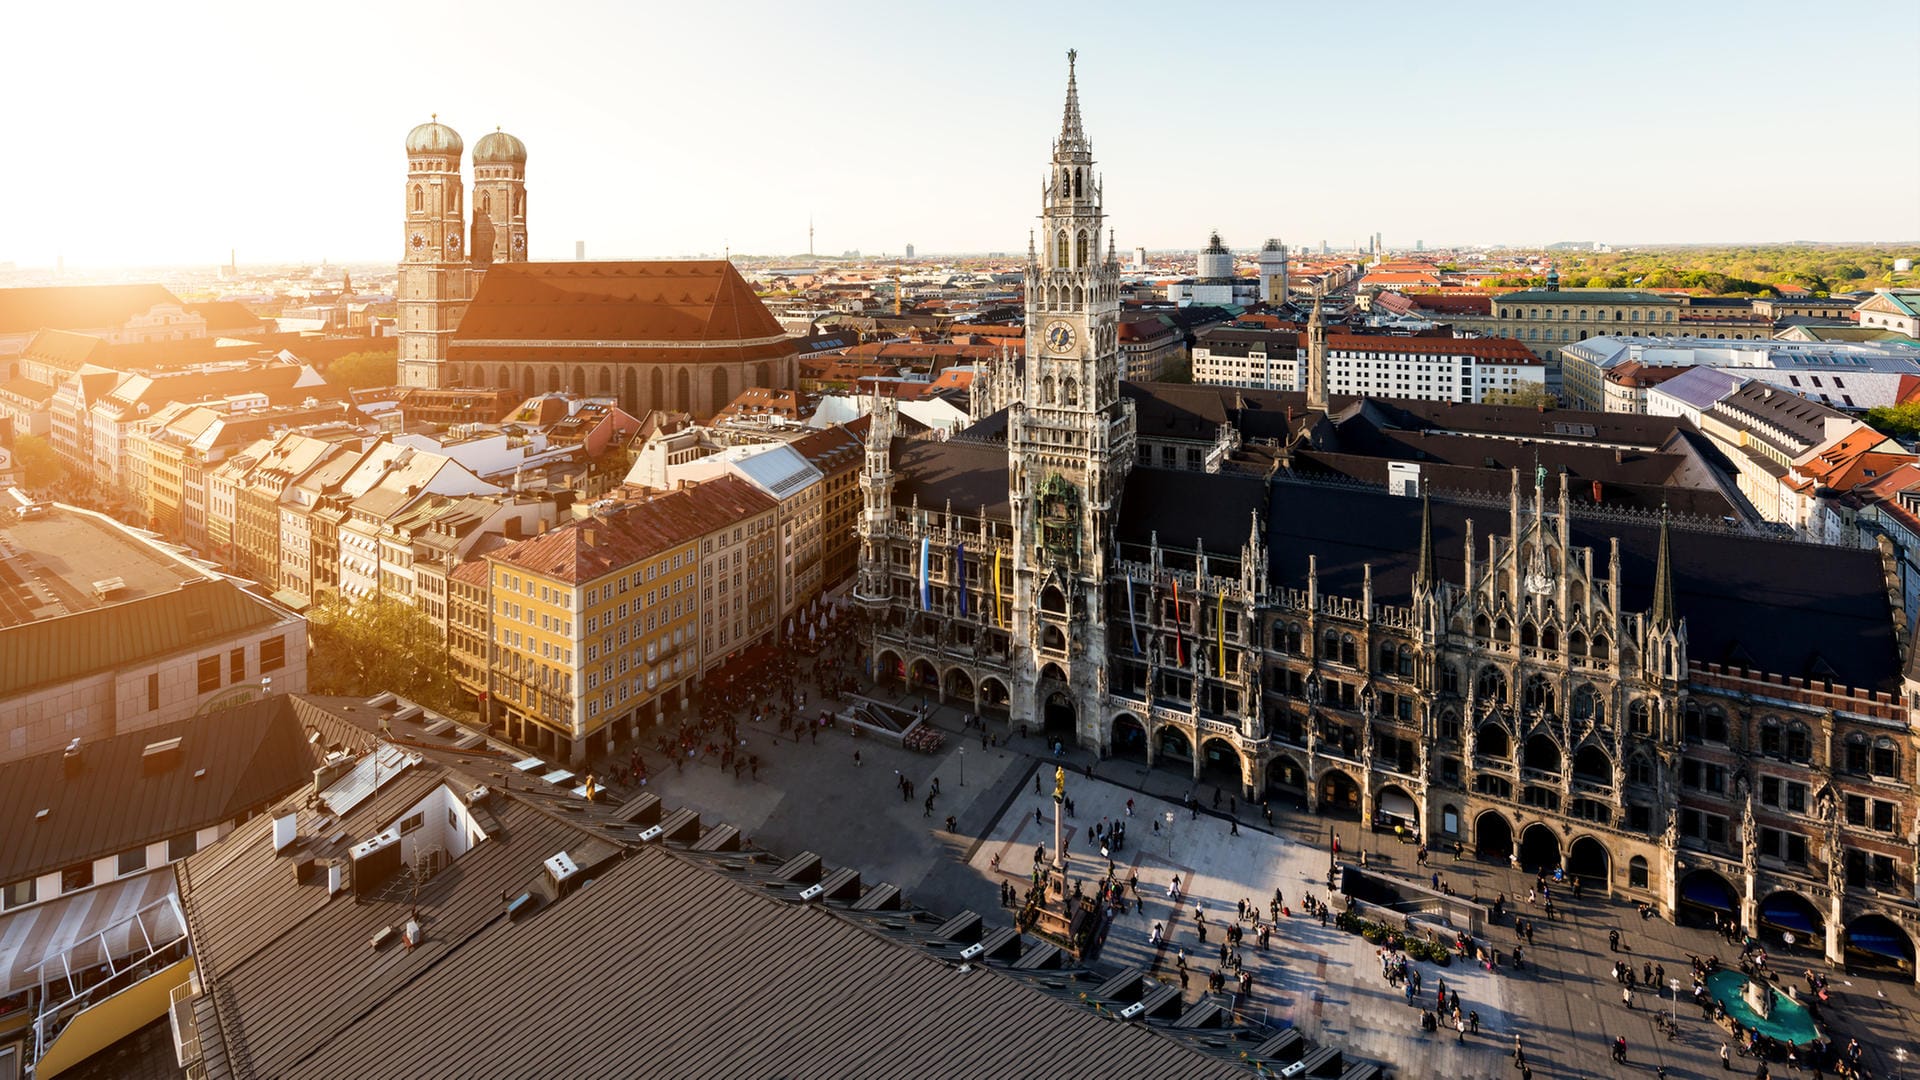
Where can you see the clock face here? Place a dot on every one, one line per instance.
(453, 243)
(419, 241)
(519, 243)
(1059, 336)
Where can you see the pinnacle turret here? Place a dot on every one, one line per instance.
(1073, 137)
(1663, 613)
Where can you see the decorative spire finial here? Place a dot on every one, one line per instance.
(1663, 613)
(1072, 137)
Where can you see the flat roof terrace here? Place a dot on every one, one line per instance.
(52, 562)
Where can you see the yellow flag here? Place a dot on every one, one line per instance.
(1220, 632)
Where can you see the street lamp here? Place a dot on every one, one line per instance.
(963, 766)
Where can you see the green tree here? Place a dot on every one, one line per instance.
(363, 370)
(1899, 421)
(1527, 393)
(380, 643)
(41, 464)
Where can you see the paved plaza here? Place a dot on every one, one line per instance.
(811, 796)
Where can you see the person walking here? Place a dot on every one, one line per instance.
(1613, 941)
(856, 757)
(1726, 1058)
(1626, 996)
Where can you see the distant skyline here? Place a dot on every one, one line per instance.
(167, 136)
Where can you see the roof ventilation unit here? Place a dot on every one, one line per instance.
(1132, 1012)
(651, 834)
(561, 868)
(285, 830)
(811, 893)
(972, 952)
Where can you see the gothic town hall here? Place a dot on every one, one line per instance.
(1706, 719)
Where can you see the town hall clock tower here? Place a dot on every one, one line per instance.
(1070, 444)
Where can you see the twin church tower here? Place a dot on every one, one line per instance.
(446, 254)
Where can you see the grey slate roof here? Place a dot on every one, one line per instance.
(1782, 607)
(661, 965)
(252, 756)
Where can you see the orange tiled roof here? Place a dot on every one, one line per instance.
(630, 532)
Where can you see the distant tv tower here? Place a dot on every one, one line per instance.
(809, 236)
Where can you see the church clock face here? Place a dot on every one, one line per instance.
(453, 245)
(1059, 336)
(519, 243)
(419, 241)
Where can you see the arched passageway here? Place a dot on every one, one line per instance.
(1539, 849)
(1492, 837)
(1339, 795)
(1877, 942)
(1220, 764)
(1588, 861)
(1706, 896)
(1790, 913)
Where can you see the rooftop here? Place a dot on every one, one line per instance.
(78, 307)
(691, 311)
(767, 986)
(50, 565)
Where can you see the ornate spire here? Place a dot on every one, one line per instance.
(1426, 576)
(1663, 613)
(1072, 135)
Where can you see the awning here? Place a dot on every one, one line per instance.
(1787, 915)
(40, 932)
(1396, 804)
(1707, 891)
(290, 600)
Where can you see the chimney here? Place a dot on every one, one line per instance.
(592, 536)
(513, 528)
(70, 758)
(543, 526)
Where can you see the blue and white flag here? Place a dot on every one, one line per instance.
(926, 590)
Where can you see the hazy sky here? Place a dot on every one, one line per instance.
(148, 133)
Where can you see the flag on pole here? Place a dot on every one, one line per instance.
(1220, 633)
(996, 588)
(1179, 636)
(1133, 622)
(926, 557)
(960, 573)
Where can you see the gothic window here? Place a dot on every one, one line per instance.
(1577, 643)
(1639, 770)
(419, 199)
(1069, 392)
(1405, 661)
(1386, 657)
(1481, 627)
(1491, 687)
(486, 203)
(1599, 648)
(1082, 259)
(1770, 737)
(1278, 635)
(1503, 632)
(1449, 679)
(1528, 637)
(1550, 639)
(1349, 651)
(1640, 717)
(1077, 178)
(1060, 249)
(1539, 693)
(1293, 639)
(1588, 705)
(1330, 646)
(1046, 390)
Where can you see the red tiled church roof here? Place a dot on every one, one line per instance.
(694, 311)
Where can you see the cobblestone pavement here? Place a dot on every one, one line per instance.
(1565, 1007)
